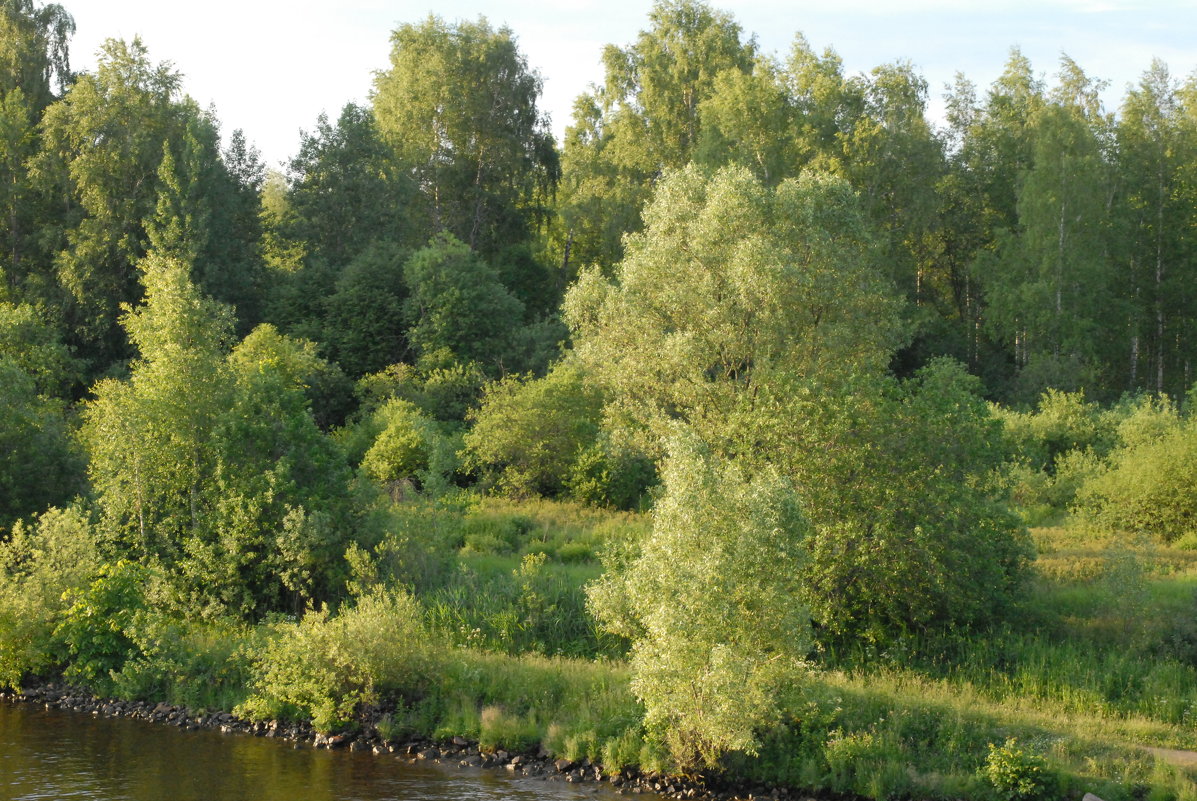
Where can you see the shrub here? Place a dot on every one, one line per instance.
(95, 627)
(1016, 774)
(527, 433)
(40, 565)
(911, 530)
(711, 603)
(401, 449)
(324, 667)
(198, 664)
(1150, 487)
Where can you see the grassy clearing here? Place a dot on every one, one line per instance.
(1100, 665)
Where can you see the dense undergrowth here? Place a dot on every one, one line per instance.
(495, 644)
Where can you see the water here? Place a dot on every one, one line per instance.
(52, 754)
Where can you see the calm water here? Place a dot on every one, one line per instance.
(49, 754)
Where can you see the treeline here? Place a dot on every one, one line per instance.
(764, 298)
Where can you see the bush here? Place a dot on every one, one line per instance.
(1016, 774)
(95, 628)
(911, 530)
(197, 664)
(527, 433)
(40, 565)
(1150, 487)
(401, 448)
(602, 475)
(325, 667)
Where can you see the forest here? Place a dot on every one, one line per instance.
(763, 428)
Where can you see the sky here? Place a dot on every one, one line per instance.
(270, 67)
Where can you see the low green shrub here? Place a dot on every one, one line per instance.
(325, 667)
(198, 664)
(1150, 487)
(42, 564)
(1017, 774)
(94, 629)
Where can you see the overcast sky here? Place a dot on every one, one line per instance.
(271, 66)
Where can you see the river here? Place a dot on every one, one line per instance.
(53, 754)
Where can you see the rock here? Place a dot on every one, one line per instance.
(1090, 797)
(428, 753)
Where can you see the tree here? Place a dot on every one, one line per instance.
(210, 463)
(364, 325)
(103, 161)
(37, 349)
(1157, 144)
(732, 291)
(149, 438)
(528, 433)
(712, 604)
(347, 192)
(34, 50)
(1048, 293)
(894, 160)
(34, 68)
(281, 510)
(458, 108)
(756, 319)
(400, 451)
(749, 119)
(456, 308)
(646, 119)
(39, 465)
(910, 528)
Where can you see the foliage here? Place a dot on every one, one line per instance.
(213, 465)
(910, 528)
(458, 108)
(204, 665)
(347, 193)
(41, 563)
(364, 322)
(400, 451)
(1016, 774)
(1148, 488)
(39, 463)
(94, 627)
(606, 475)
(325, 666)
(527, 433)
(645, 119)
(457, 309)
(712, 604)
(37, 349)
(732, 290)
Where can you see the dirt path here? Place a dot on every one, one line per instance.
(1182, 759)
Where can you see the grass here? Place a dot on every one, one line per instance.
(1100, 663)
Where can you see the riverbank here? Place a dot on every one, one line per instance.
(452, 752)
(1089, 692)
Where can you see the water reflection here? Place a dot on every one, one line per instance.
(51, 754)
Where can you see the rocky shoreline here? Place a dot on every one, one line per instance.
(457, 752)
